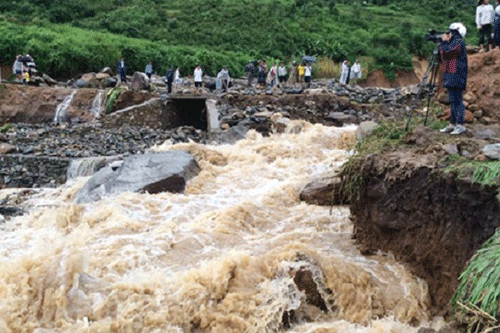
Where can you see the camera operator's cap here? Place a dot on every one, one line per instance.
(459, 27)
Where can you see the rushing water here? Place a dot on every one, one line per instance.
(219, 258)
(98, 104)
(63, 107)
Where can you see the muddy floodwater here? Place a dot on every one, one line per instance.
(225, 256)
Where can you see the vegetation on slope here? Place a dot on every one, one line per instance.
(478, 296)
(390, 32)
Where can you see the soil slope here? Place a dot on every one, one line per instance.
(410, 204)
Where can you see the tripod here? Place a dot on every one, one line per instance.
(428, 83)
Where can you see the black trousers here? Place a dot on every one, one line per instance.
(485, 31)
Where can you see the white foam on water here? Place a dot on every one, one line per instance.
(63, 107)
(218, 258)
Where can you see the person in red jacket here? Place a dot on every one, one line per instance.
(453, 57)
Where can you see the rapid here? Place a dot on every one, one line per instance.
(237, 252)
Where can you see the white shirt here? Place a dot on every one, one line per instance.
(198, 74)
(356, 68)
(223, 74)
(484, 15)
(308, 71)
(282, 71)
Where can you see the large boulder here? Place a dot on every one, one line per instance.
(365, 128)
(324, 190)
(139, 81)
(152, 173)
(492, 151)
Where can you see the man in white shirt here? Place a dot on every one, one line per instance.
(198, 77)
(484, 19)
(282, 74)
(356, 72)
(307, 75)
(344, 71)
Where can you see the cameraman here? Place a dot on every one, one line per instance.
(453, 57)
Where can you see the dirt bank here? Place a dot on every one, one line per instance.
(408, 205)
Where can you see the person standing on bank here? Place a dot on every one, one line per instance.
(344, 71)
(149, 69)
(484, 19)
(17, 68)
(307, 75)
(122, 70)
(496, 27)
(169, 78)
(198, 77)
(356, 72)
(453, 57)
(282, 74)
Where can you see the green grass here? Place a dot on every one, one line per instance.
(478, 294)
(5, 127)
(111, 97)
(186, 33)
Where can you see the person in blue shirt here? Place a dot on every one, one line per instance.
(149, 69)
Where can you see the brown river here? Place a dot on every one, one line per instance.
(220, 257)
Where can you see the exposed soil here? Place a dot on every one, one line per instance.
(431, 220)
(402, 79)
(31, 104)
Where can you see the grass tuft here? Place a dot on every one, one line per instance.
(477, 297)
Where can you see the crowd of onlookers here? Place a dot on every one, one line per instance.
(488, 24)
(294, 76)
(24, 67)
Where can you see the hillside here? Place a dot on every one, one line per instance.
(68, 37)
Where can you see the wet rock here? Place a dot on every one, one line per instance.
(110, 82)
(478, 114)
(10, 211)
(152, 173)
(279, 123)
(451, 148)
(340, 118)
(492, 151)
(365, 128)
(50, 81)
(325, 190)
(81, 84)
(139, 81)
(426, 330)
(6, 148)
(102, 76)
(107, 70)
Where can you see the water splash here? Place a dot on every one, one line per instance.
(234, 253)
(84, 167)
(63, 107)
(98, 104)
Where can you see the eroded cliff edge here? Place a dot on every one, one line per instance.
(410, 202)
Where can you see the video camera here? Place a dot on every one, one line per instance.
(434, 36)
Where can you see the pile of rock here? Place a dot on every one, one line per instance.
(39, 155)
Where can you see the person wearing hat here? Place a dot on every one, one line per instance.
(453, 58)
